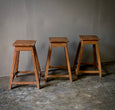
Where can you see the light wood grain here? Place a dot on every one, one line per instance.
(68, 63)
(48, 62)
(23, 83)
(25, 45)
(37, 62)
(17, 63)
(89, 37)
(35, 68)
(58, 76)
(88, 40)
(86, 71)
(26, 72)
(79, 59)
(58, 39)
(58, 42)
(98, 60)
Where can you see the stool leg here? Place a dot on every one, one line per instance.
(48, 62)
(37, 61)
(98, 59)
(12, 71)
(94, 54)
(79, 59)
(77, 54)
(68, 63)
(17, 62)
(35, 68)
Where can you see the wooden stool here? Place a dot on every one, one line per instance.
(88, 39)
(58, 42)
(25, 45)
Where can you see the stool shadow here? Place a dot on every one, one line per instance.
(106, 68)
(57, 71)
(23, 86)
(81, 76)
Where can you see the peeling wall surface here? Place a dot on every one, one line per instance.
(41, 19)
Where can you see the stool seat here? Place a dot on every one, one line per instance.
(89, 38)
(25, 43)
(58, 40)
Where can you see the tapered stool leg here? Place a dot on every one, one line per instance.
(68, 63)
(98, 60)
(35, 69)
(48, 62)
(17, 63)
(79, 60)
(37, 61)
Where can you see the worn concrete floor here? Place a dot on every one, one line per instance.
(89, 92)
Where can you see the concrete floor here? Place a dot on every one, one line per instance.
(89, 92)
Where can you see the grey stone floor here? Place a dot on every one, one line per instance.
(89, 92)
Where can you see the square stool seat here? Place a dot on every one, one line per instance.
(24, 43)
(58, 39)
(89, 38)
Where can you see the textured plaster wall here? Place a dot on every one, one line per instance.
(40, 19)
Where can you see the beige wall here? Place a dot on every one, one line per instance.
(39, 19)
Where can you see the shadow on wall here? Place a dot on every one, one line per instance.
(58, 57)
(42, 56)
(109, 49)
(87, 55)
